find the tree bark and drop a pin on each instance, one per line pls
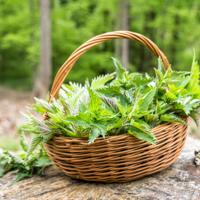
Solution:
(43, 78)
(179, 181)
(122, 46)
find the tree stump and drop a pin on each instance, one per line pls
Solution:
(181, 181)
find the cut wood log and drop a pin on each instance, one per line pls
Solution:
(181, 181)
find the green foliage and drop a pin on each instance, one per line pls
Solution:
(29, 161)
(100, 81)
(194, 79)
(19, 51)
(112, 104)
(118, 103)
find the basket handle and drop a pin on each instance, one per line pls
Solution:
(68, 64)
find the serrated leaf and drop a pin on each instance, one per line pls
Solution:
(22, 175)
(194, 73)
(144, 102)
(140, 124)
(118, 68)
(42, 106)
(34, 143)
(142, 135)
(161, 67)
(95, 100)
(171, 118)
(23, 143)
(100, 81)
(43, 161)
(95, 133)
(194, 78)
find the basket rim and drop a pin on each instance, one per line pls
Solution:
(155, 130)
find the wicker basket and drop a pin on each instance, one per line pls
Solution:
(119, 158)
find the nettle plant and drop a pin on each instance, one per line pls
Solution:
(111, 104)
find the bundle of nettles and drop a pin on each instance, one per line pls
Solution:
(111, 104)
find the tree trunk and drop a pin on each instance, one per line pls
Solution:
(122, 46)
(43, 78)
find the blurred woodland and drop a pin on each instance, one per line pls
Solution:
(36, 37)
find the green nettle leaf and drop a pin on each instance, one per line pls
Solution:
(95, 133)
(23, 144)
(111, 104)
(171, 118)
(95, 100)
(194, 78)
(142, 131)
(42, 106)
(22, 175)
(145, 101)
(115, 126)
(139, 80)
(161, 67)
(162, 107)
(170, 96)
(194, 73)
(142, 135)
(43, 161)
(34, 143)
(100, 81)
(6, 163)
(124, 110)
(187, 104)
(140, 124)
(47, 137)
(120, 71)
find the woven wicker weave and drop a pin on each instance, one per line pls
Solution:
(119, 158)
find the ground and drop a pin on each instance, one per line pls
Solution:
(12, 105)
